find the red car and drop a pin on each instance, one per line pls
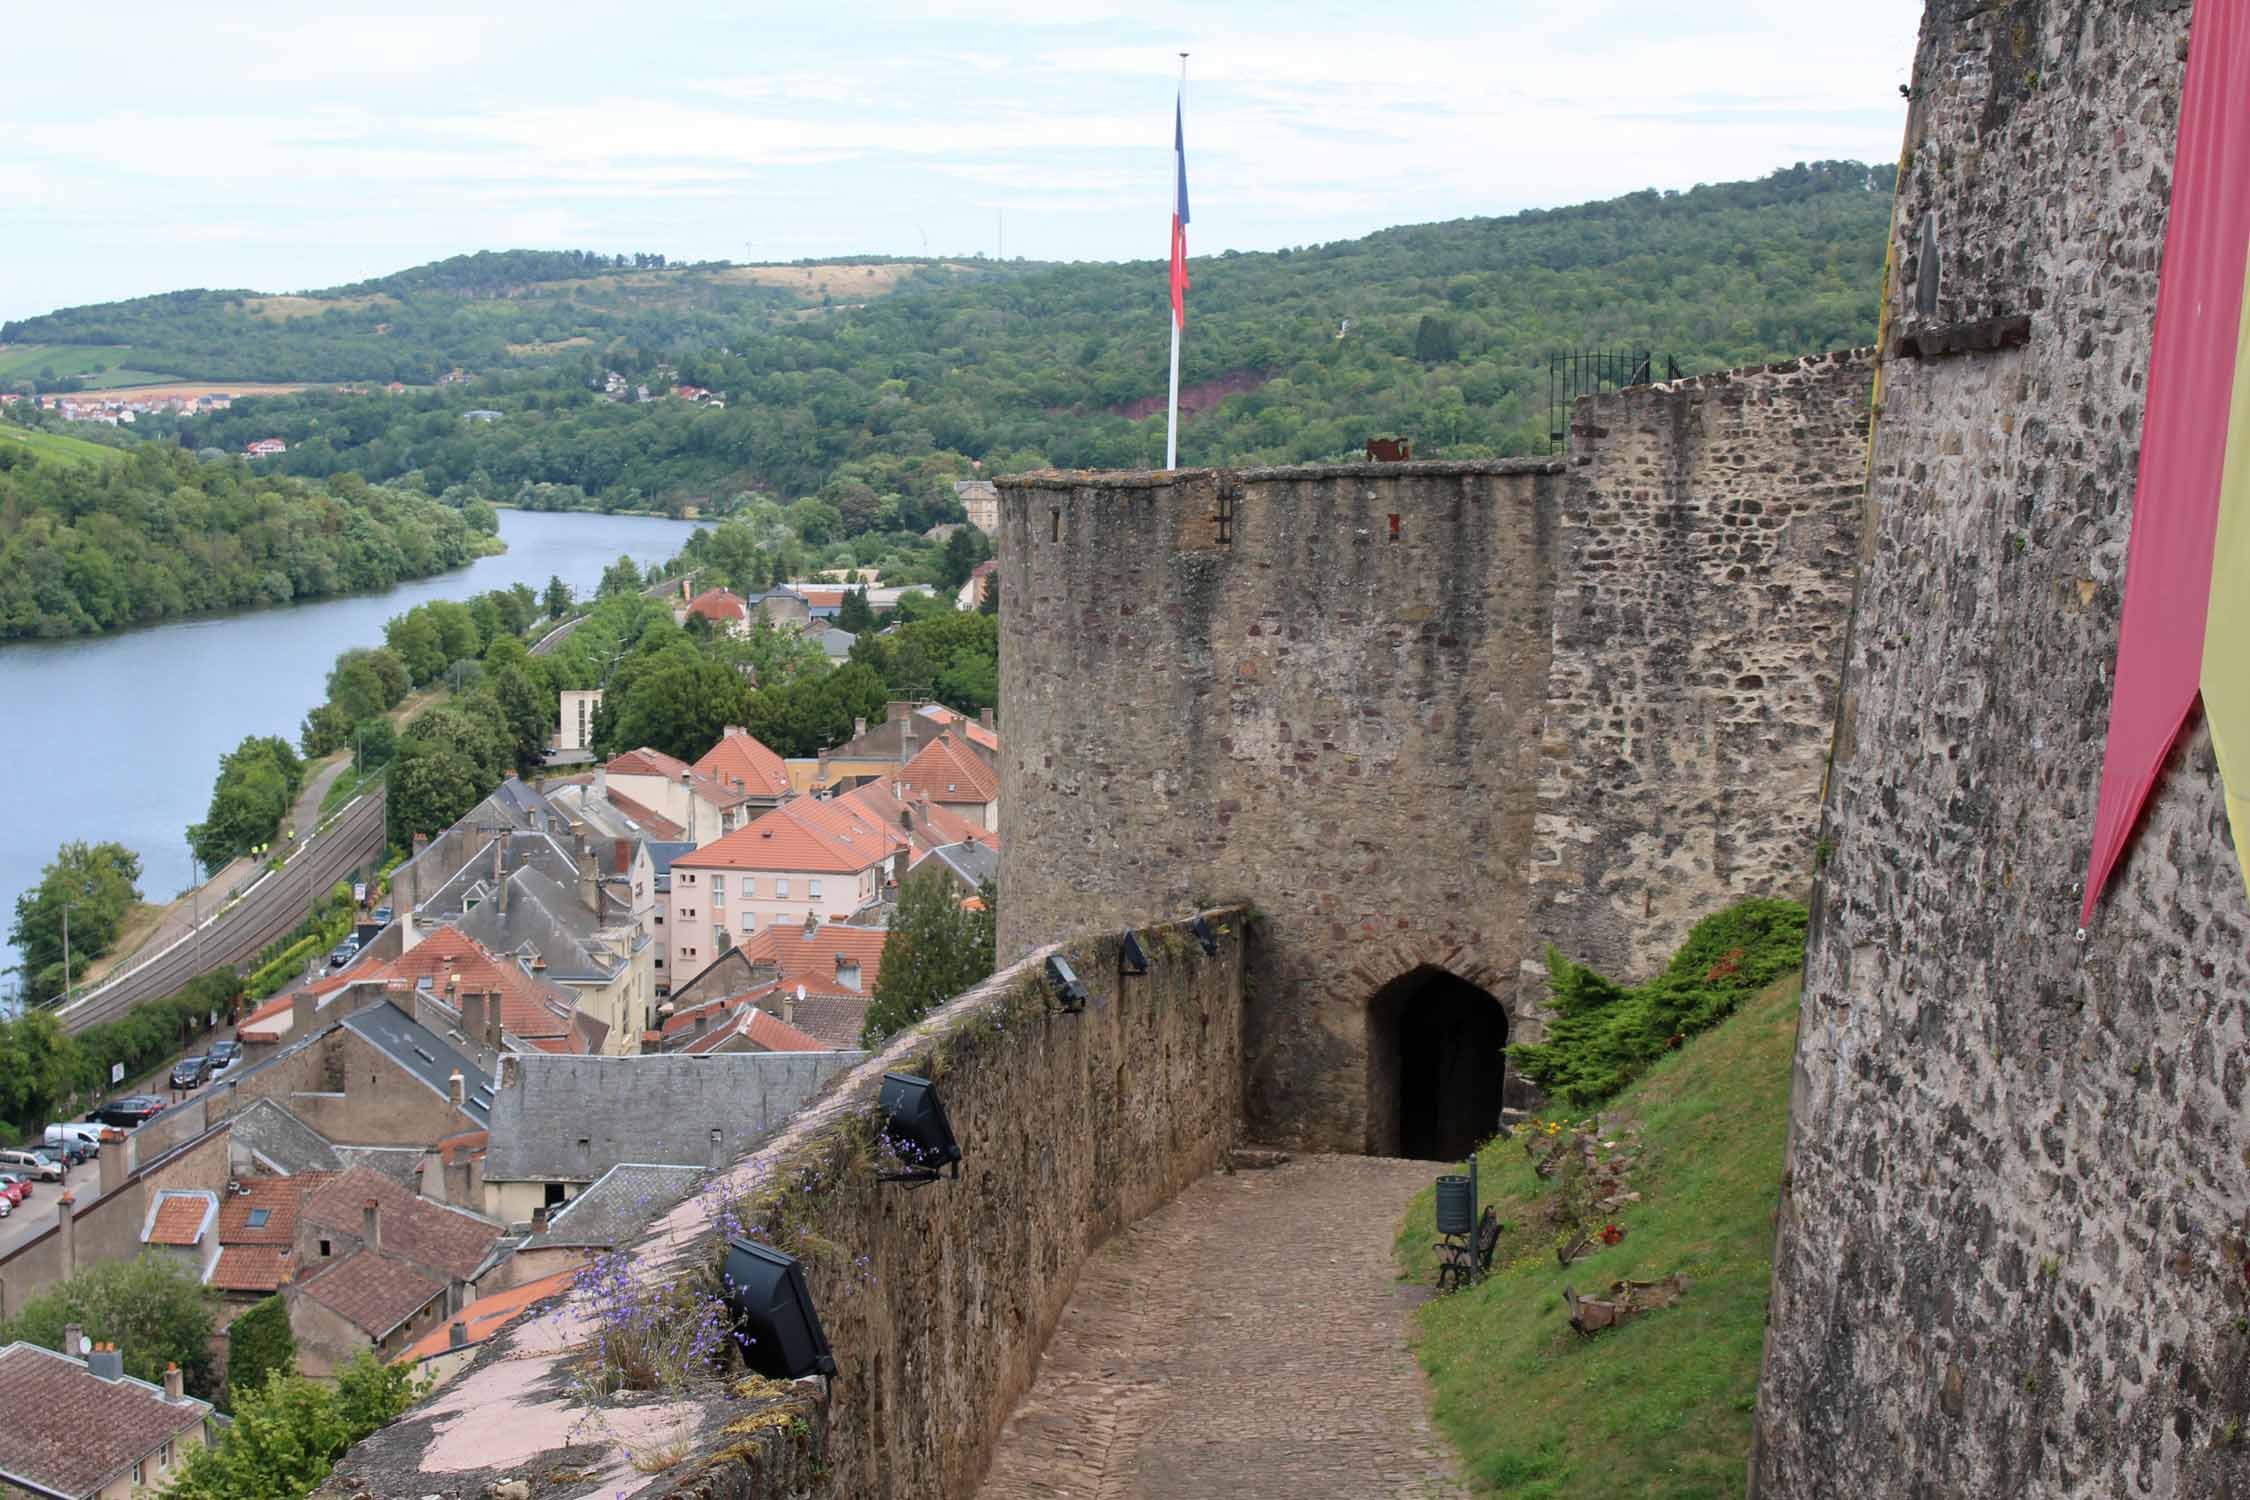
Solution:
(14, 1188)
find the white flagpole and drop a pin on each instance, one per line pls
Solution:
(1172, 412)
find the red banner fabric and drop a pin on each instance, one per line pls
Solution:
(2184, 434)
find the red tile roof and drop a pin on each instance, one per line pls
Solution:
(741, 756)
(443, 1241)
(69, 1431)
(766, 1032)
(974, 729)
(487, 1316)
(823, 598)
(931, 825)
(251, 1268)
(375, 1293)
(532, 1009)
(280, 1197)
(647, 762)
(179, 1219)
(948, 771)
(805, 836)
(813, 961)
(719, 604)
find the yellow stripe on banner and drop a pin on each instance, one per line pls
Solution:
(2226, 632)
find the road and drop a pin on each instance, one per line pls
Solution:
(267, 911)
(36, 1214)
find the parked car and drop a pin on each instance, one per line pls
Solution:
(132, 1110)
(191, 1072)
(343, 953)
(382, 916)
(14, 1187)
(224, 1055)
(69, 1150)
(7, 1206)
(32, 1164)
(87, 1138)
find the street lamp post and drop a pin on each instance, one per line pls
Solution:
(65, 955)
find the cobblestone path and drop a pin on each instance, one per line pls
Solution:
(1245, 1342)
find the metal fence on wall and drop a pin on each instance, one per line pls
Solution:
(1587, 372)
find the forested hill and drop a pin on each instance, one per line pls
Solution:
(94, 538)
(1437, 332)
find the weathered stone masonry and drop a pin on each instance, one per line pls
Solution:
(1400, 707)
(1705, 554)
(2013, 1253)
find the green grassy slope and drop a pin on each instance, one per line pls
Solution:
(57, 446)
(1662, 1405)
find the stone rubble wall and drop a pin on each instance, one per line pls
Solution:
(937, 1300)
(1705, 557)
(2014, 1236)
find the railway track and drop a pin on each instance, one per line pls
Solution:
(238, 933)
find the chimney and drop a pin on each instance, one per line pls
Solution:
(500, 869)
(421, 842)
(300, 1015)
(539, 1219)
(906, 739)
(589, 884)
(371, 1224)
(456, 1296)
(859, 727)
(492, 1022)
(508, 1070)
(457, 1335)
(789, 1005)
(984, 717)
(601, 782)
(812, 923)
(624, 854)
(173, 1390)
(472, 1018)
(74, 1335)
(731, 731)
(718, 1156)
(107, 1362)
(456, 1090)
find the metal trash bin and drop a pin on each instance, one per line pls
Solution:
(1456, 1205)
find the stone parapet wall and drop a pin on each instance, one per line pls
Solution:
(2013, 1255)
(937, 1300)
(1704, 556)
(1317, 689)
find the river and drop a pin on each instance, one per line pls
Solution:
(120, 735)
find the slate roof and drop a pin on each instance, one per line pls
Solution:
(431, 1058)
(69, 1431)
(972, 862)
(762, 1030)
(801, 837)
(443, 1240)
(661, 853)
(375, 1293)
(545, 918)
(281, 1141)
(946, 770)
(835, 1020)
(741, 755)
(615, 1206)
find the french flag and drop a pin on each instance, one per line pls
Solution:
(1179, 219)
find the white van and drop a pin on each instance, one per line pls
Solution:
(86, 1133)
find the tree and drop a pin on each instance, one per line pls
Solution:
(855, 616)
(963, 551)
(1434, 341)
(375, 742)
(990, 603)
(430, 790)
(259, 1345)
(152, 1308)
(38, 1068)
(620, 577)
(98, 882)
(414, 637)
(288, 1433)
(557, 597)
(936, 949)
(257, 781)
(678, 701)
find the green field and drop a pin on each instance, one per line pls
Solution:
(57, 446)
(31, 361)
(1660, 1406)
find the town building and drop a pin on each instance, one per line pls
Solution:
(805, 860)
(381, 1267)
(77, 1427)
(981, 499)
(954, 777)
(726, 611)
(701, 807)
(875, 751)
(575, 732)
(817, 979)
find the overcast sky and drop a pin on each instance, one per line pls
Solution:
(283, 146)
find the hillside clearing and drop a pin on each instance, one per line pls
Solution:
(27, 361)
(60, 447)
(1660, 1406)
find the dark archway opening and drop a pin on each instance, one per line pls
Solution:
(1436, 1058)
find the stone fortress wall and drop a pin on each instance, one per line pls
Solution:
(2014, 1250)
(1398, 706)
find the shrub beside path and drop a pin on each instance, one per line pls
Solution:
(1247, 1341)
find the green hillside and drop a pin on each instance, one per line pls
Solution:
(867, 384)
(60, 447)
(1661, 1405)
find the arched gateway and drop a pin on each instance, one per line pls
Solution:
(1436, 1065)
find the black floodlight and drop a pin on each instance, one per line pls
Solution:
(1132, 958)
(1201, 927)
(1070, 994)
(773, 1311)
(914, 1123)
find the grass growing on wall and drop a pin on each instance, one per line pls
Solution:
(1662, 1405)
